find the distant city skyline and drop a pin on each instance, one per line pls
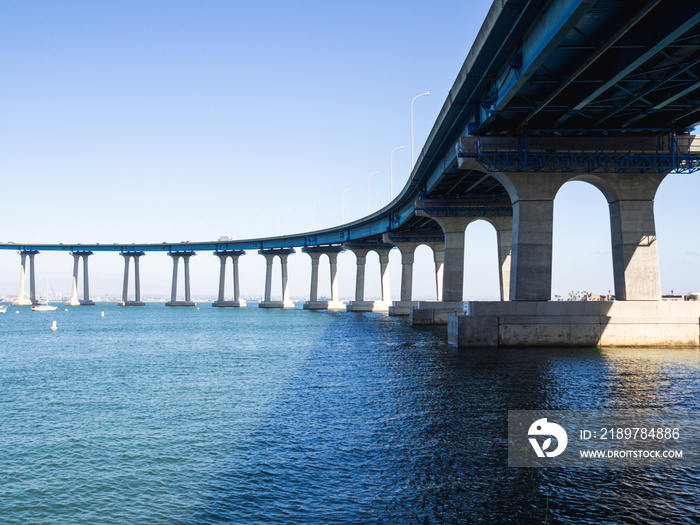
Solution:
(133, 122)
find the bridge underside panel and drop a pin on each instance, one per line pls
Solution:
(624, 65)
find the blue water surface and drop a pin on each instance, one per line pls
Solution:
(194, 416)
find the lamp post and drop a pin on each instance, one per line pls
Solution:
(344, 191)
(369, 178)
(391, 175)
(412, 101)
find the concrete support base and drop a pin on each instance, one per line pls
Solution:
(368, 306)
(131, 303)
(23, 302)
(72, 302)
(83, 302)
(435, 312)
(229, 304)
(578, 324)
(276, 304)
(180, 303)
(324, 305)
(398, 308)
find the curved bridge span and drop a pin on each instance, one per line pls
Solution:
(551, 91)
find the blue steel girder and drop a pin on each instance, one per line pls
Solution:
(583, 154)
(591, 67)
(554, 24)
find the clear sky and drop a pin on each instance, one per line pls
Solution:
(157, 121)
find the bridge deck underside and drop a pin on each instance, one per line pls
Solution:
(623, 65)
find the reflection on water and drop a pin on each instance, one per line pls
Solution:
(162, 416)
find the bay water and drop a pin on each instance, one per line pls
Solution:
(155, 415)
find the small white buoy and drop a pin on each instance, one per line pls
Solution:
(103, 314)
(54, 327)
(16, 311)
(66, 309)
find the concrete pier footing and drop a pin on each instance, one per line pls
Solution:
(368, 306)
(276, 304)
(401, 308)
(576, 323)
(324, 305)
(434, 312)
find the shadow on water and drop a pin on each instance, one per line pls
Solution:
(385, 423)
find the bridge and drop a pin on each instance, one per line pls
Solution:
(601, 91)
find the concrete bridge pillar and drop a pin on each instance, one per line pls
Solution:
(137, 280)
(439, 260)
(313, 293)
(173, 293)
(223, 258)
(74, 301)
(504, 238)
(633, 234)
(283, 254)
(453, 265)
(630, 199)
(406, 302)
(359, 304)
(21, 301)
(315, 252)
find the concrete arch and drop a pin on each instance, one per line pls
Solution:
(581, 248)
(482, 279)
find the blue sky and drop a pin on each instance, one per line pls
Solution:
(181, 120)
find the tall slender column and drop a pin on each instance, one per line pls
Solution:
(86, 281)
(269, 260)
(285, 280)
(269, 255)
(137, 278)
(74, 287)
(188, 297)
(222, 275)
(32, 278)
(439, 260)
(313, 293)
(21, 301)
(236, 282)
(315, 252)
(125, 288)
(504, 237)
(22, 269)
(333, 261)
(360, 275)
(173, 290)
(384, 270)
(453, 266)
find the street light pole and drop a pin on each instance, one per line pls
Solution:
(369, 178)
(413, 161)
(391, 175)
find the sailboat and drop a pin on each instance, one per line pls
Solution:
(45, 306)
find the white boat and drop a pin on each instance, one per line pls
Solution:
(45, 306)
(3, 307)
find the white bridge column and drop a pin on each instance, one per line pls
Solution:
(74, 301)
(315, 252)
(21, 301)
(361, 251)
(404, 305)
(439, 260)
(173, 294)
(137, 280)
(270, 255)
(223, 258)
